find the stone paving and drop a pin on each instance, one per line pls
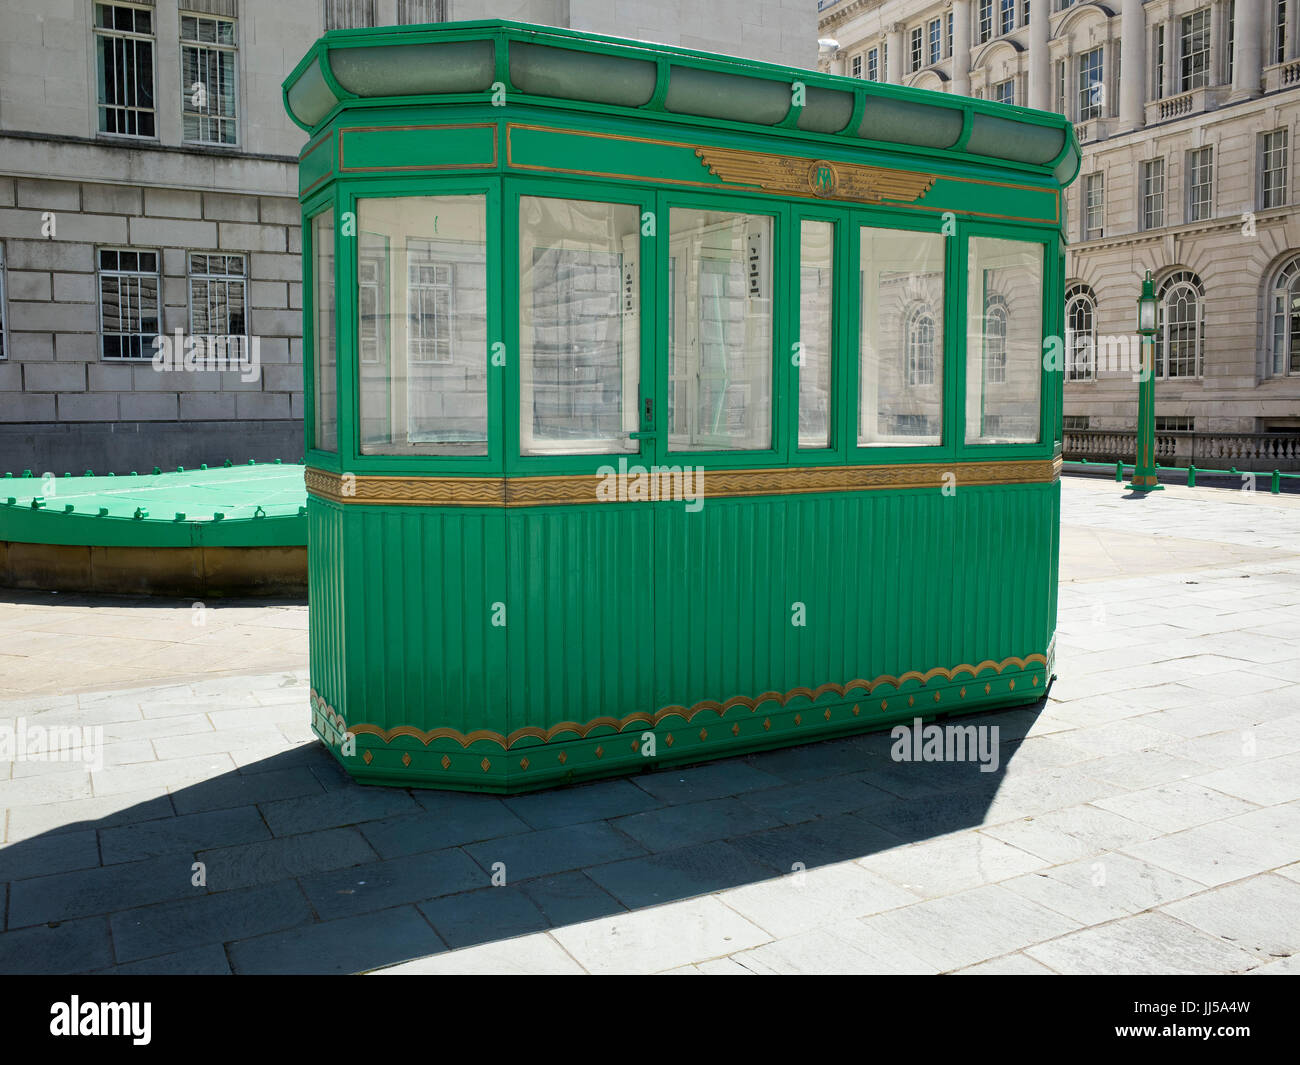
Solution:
(1145, 818)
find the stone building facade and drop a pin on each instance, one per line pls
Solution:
(148, 184)
(1187, 112)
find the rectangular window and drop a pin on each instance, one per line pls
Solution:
(1195, 50)
(579, 326)
(917, 44)
(1200, 184)
(1273, 169)
(985, 28)
(1092, 85)
(1166, 423)
(1279, 33)
(1074, 421)
(816, 331)
(1060, 87)
(856, 66)
(422, 324)
(124, 70)
(1153, 194)
(1004, 341)
(4, 309)
(1006, 16)
(948, 36)
(1232, 39)
(349, 14)
(873, 64)
(1158, 64)
(325, 436)
(219, 299)
(1094, 206)
(1024, 13)
(1004, 92)
(208, 74)
(936, 41)
(719, 330)
(128, 302)
(900, 399)
(418, 12)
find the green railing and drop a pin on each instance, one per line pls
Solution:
(1275, 478)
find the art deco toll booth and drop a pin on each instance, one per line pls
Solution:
(544, 271)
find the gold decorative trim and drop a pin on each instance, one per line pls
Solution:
(797, 176)
(575, 489)
(687, 714)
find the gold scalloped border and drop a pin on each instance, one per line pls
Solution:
(644, 718)
(382, 490)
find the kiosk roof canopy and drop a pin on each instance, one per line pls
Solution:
(467, 62)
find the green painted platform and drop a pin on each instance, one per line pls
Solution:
(227, 506)
(228, 530)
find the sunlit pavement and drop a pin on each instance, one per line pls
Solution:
(1145, 818)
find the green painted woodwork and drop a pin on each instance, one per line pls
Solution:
(504, 648)
(231, 506)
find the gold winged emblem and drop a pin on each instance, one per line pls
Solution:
(816, 177)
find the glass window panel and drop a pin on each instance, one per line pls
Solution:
(815, 332)
(422, 325)
(719, 331)
(901, 338)
(323, 347)
(1004, 344)
(579, 326)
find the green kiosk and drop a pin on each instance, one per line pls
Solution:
(663, 406)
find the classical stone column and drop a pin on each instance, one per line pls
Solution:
(895, 53)
(1247, 65)
(1040, 59)
(1132, 91)
(961, 47)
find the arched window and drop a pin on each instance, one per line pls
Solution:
(1284, 321)
(995, 340)
(921, 333)
(1179, 340)
(1080, 333)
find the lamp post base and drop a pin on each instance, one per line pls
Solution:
(1145, 482)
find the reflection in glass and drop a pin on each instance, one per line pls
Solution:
(579, 326)
(324, 356)
(719, 331)
(1004, 343)
(422, 324)
(900, 378)
(815, 333)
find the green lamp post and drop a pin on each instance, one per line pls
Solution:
(1144, 464)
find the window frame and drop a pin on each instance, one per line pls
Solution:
(185, 43)
(1282, 189)
(1194, 66)
(1080, 294)
(100, 274)
(99, 33)
(1192, 185)
(1145, 195)
(4, 304)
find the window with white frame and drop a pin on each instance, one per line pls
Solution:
(1004, 92)
(947, 50)
(1092, 85)
(1180, 337)
(1232, 41)
(4, 310)
(219, 298)
(1080, 333)
(1175, 423)
(1194, 50)
(349, 14)
(208, 78)
(1284, 342)
(921, 336)
(934, 34)
(1060, 87)
(128, 302)
(1273, 169)
(855, 66)
(918, 41)
(1094, 206)
(1200, 184)
(873, 64)
(1279, 33)
(985, 27)
(1006, 16)
(124, 75)
(995, 340)
(1024, 13)
(1153, 194)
